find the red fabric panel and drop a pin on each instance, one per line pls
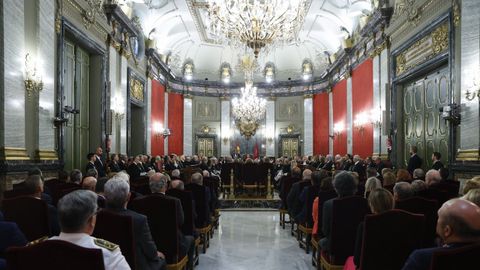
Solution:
(320, 124)
(157, 117)
(175, 123)
(340, 116)
(362, 102)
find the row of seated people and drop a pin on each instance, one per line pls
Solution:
(185, 208)
(309, 193)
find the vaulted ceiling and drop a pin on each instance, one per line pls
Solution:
(178, 27)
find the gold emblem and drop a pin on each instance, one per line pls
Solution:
(105, 244)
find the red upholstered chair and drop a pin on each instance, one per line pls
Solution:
(30, 214)
(54, 255)
(389, 238)
(457, 258)
(323, 196)
(117, 229)
(426, 207)
(162, 220)
(347, 213)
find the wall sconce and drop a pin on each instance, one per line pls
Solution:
(307, 70)
(376, 118)
(338, 128)
(226, 136)
(360, 120)
(33, 78)
(270, 139)
(118, 108)
(160, 131)
(470, 95)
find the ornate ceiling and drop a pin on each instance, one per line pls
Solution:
(178, 27)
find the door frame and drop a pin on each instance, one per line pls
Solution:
(131, 74)
(68, 29)
(445, 59)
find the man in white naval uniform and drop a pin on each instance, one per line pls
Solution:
(77, 213)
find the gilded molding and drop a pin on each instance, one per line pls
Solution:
(46, 155)
(136, 89)
(13, 153)
(307, 96)
(456, 13)
(424, 49)
(468, 155)
(89, 16)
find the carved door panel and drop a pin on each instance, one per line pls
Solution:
(289, 147)
(423, 125)
(206, 147)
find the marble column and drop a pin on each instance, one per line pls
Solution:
(148, 113)
(376, 103)
(115, 137)
(330, 122)
(12, 89)
(470, 80)
(384, 101)
(270, 129)
(165, 123)
(187, 126)
(308, 126)
(46, 52)
(124, 102)
(225, 129)
(349, 124)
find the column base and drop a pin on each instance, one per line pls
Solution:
(468, 155)
(13, 153)
(46, 155)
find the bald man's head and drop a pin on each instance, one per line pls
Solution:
(89, 183)
(459, 222)
(177, 184)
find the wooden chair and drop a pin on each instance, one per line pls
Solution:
(117, 229)
(426, 207)
(315, 252)
(389, 238)
(465, 257)
(347, 213)
(306, 226)
(162, 220)
(204, 235)
(30, 214)
(54, 255)
(283, 213)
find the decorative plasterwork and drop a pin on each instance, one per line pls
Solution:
(95, 7)
(424, 49)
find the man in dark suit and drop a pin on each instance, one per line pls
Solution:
(458, 225)
(117, 196)
(135, 169)
(358, 167)
(91, 162)
(345, 185)
(202, 197)
(415, 161)
(437, 164)
(158, 186)
(329, 164)
(34, 186)
(293, 199)
(99, 163)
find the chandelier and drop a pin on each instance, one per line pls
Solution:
(256, 23)
(249, 109)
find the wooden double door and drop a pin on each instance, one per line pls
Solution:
(423, 125)
(206, 146)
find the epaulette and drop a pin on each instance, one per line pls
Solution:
(105, 244)
(39, 240)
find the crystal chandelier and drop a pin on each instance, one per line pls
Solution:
(249, 109)
(256, 23)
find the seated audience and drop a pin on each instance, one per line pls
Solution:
(473, 195)
(418, 186)
(432, 178)
(386, 170)
(92, 172)
(402, 191)
(34, 186)
(89, 183)
(10, 236)
(325, 185)
(418, 174)
(458, 225)
(76, 176)
(200, 192)
(114, 165)
(358, 167)
(371, 184)
(389, 180)
(136, 169)
(77, 214)
(371, 172)
(308, 195)
(380, 201)
(91, 161)
(176, 174)
(117, 196)
(158, 186)
(345, 185)
(404, 176)
(293, 199)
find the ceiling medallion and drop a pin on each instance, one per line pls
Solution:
(256, 24)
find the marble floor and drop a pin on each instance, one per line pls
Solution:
(251, 240)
